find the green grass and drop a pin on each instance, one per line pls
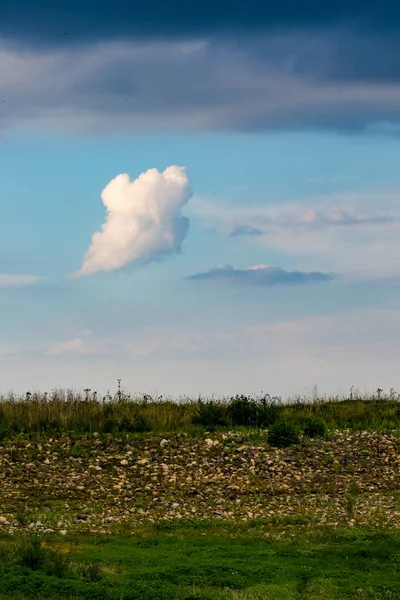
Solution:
(194, 561)
(49, 442)
(63, 412)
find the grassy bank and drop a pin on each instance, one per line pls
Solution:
(65, 411)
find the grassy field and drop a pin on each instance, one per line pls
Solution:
(246, 498)
(203, 563)
(67, 411)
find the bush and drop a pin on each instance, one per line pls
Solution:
(90, 571)
(57, 564)
(126, 424)
(253, 412)
(210, 414)
(282, 435)
(242, 410)
(109, 425)
(31, 554)
(83, 427)
(3, 425)
(141, 425)
(313, 428)
(268, 411)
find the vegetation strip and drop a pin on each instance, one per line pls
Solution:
(107, 500)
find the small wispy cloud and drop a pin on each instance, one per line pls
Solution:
(261, 275)
(323, 212)
(246, 230)
(84, 346)
(7, 280)
(144, 220)
(69, 346)
(163, 344)
(339, 232)
(334, 216)
(9, 349)
(133, 346)
(83, 332)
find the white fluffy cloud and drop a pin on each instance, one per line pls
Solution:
(144, 220)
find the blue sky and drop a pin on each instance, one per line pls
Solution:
(257, 251)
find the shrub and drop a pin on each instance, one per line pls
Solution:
(313, 428)
(282, 435)
(141, 425)
(253, 412)
(109, 425)
(90, 571)
(242, 410)
(57, 564)
(20, 517)
(4, 429)
(83, 427)
(210, 414)
(126, 424)
(31, 554)
(268, 411)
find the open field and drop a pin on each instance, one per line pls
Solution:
(244, 499)
(204, 561)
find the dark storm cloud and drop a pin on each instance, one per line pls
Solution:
(247, 68)
(51, 21)
(262, 275)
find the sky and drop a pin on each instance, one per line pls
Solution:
(199, 198)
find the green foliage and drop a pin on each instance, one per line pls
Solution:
(187, 564)
(210, 414)
(57, 564)
(90, 571)
(269, 410)
(127, 425)
(141, 425)
(282, 434)
(67, 412)
(254, 412)
(31, 554)
(110, 425)
(313, 428)
(4, 429)
(21, 518)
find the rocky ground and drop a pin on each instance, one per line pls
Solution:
(98, 485)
